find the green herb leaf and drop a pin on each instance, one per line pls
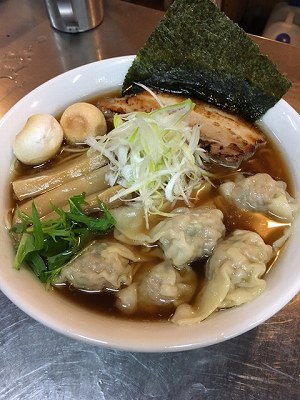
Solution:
(94, 224)
(37, 230)
(38, 265)
(26, 246)
(46, 246)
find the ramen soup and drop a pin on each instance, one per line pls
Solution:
(137, 220)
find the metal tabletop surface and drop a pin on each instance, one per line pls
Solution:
(38, 363)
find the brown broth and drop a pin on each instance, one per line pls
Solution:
(268, 159)
(104, 303)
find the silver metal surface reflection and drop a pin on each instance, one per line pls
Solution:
(88, 50)
(75, 15)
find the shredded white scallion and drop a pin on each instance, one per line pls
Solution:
(155, 155)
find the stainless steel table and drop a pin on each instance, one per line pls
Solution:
(38, 363)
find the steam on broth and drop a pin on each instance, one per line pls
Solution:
(143, 279)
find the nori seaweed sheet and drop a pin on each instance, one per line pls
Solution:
(198, 51)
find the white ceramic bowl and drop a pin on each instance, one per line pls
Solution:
(28, 294)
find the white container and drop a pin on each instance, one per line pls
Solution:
(284, 23)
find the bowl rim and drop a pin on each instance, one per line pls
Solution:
(119, 335)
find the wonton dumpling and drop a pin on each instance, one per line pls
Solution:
(100, 266)
(233, 275)
(189, 235)
(261, 193)
(130, 224)
(159, 286)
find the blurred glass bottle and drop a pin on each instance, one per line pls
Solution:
(283, 24)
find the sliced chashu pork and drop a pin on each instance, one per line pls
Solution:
(227, 138)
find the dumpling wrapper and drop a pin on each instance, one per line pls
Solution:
(101, 265)
(191, 234)
(233, 275)
(261, 193)
(157, 287)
